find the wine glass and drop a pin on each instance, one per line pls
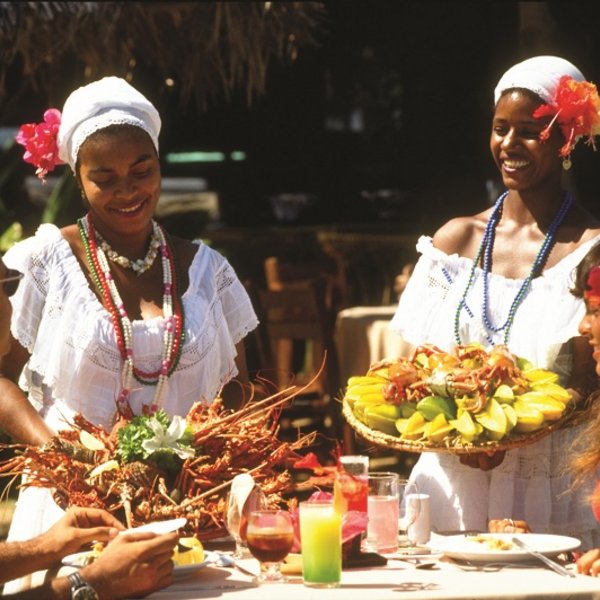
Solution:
(270, 537)
(409, 510)
(236, 518)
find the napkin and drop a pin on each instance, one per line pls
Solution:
(241, 488)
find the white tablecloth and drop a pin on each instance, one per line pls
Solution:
(397, 581)
(363, 336)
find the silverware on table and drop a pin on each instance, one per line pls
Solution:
(548, 562)
(225, 560)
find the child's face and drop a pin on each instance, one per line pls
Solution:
(590, 327)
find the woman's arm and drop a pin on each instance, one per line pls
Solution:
(18, 418)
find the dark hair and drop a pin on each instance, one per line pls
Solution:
(582, 271)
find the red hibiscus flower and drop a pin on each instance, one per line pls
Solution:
(576, 109)
(39, 139)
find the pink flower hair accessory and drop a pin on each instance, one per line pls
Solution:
(592, 296)
(576, 109)
(40, 141)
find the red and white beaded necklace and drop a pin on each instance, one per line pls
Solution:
(172, 315)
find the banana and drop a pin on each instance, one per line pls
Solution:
(358, 392)
(365, 402)
(366, 380)
(431, 406)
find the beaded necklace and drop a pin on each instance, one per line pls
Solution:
(485, 252)
(173, 334)
(140, 265)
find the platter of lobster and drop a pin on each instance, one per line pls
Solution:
(465, 401)
(157, 468)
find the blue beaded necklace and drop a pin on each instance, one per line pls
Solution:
(485, 252)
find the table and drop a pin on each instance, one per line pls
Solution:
(398, 580)
(363, 336)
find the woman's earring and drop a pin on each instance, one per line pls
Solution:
(567, 164)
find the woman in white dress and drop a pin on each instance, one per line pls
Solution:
(112, 312)
(503, 276)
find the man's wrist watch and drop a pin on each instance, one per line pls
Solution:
(81, 589)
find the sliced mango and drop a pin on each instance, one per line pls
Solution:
(415, 425)
(435, 431)
(554, 390)
(551, 408)
(493, 418)
(466, 426)
(511, 416)
(529, 418)
(431, 406)
(540, 376)
(504, 393)
(407, 409)
(382, 417)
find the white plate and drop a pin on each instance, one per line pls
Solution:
(79, 560)
(158, 527)
(465, 548)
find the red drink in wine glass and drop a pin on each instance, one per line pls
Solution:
(270, 536)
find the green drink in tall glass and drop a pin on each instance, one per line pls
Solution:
(321, 541)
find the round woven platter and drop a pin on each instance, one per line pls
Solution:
(451, 446)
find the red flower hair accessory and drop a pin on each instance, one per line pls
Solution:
(39, 139)
(576, 108)
(592, 296)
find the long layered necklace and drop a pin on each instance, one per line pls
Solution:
(485, 253)
(173, 331)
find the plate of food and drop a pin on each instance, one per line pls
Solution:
(499, 547)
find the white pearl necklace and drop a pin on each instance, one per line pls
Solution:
(127, 372)
(139, 265)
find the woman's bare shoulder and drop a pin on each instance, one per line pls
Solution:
(457, 235)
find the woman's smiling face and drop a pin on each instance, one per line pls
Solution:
(119, 172)
(523, 159)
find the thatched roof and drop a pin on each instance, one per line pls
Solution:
(203, 50)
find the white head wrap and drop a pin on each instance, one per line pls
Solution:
(108, 101)
(539, 75)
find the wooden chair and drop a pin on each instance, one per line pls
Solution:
(281, 274)
(300, 335)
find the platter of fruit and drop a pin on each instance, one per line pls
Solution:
(468, 400)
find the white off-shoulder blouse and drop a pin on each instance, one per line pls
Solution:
(531, 482)
(75, 363)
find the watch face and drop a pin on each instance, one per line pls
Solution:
(86, 592)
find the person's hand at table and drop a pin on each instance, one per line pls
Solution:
(79, 526)
(508, 526)
(486, 461)
(589, 563)
(132, 565)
